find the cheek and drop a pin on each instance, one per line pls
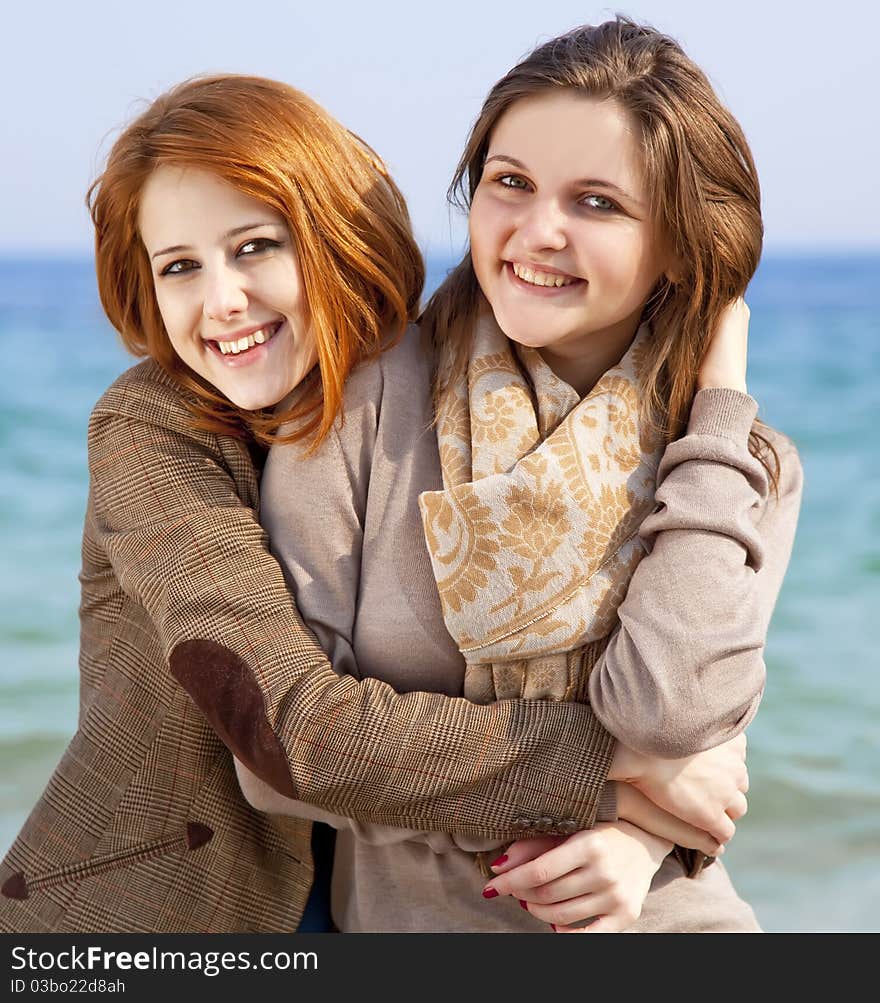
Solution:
(483, 229)
(288, 293)
(169, 311)
(628, 262)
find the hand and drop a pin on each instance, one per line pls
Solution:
(604, 872)
(633, 806)
(724, 364)
(706, 790)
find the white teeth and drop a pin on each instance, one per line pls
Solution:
(248, 341)
(539, 278)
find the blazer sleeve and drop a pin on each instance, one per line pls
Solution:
(685, 671)
(186, 544)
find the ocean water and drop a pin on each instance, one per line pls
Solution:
(807, 855)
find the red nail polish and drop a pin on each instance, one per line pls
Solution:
(524, 905)
(489, 893)
(553, 927)
(501, 860)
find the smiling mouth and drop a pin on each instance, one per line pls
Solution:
(239, 346)
(538, 277)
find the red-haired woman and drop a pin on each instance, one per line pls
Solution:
(603, 518)
(247, 245)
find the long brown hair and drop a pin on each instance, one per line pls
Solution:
(362, 270)
(702, 186)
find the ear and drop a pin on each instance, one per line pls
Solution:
(674, 272)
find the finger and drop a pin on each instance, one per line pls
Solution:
(667, 826)
(550, 865)
(720, 827)
(602, 924)
(579, 882)
(685, 834)
(576, 911)
(724, 828)
(633, 806)
(737, 807)
(702, 841)
(523, 850)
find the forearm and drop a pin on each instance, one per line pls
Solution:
(267, 800)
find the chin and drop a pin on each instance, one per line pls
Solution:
(251, 402)
(527, 338)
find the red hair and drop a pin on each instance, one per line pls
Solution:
(362, 270)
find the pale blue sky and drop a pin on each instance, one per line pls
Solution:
(410, 77)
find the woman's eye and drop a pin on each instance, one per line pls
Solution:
(256, 245)
(179, 267)
(599, 202)
(512, 181)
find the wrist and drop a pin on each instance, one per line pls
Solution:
(627, 766)
(719, 383)
(659, 847)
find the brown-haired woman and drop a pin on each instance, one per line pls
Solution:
(604, 518)
(241, 236)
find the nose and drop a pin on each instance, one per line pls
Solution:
(544, 226)
(225, 294)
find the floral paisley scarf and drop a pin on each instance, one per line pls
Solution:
(534, 537)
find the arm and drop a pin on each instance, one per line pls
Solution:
(367, 475)
(684, 671)
(177, 521)
(319, 547)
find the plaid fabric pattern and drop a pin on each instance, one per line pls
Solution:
(142, 827)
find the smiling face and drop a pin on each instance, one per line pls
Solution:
(228, 285)
(562, 241)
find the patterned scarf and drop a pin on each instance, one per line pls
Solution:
(533, 539)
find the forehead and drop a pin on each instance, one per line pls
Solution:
(182, 204)
(568, 136)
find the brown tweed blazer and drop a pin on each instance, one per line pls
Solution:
(191, 647)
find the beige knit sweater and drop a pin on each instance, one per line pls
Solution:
(683, 672)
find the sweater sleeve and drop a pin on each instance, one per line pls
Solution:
(184, 541)
(684, 671)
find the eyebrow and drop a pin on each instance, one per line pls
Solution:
(226, 236)
(581, 183)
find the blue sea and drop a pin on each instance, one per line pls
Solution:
(807, 855)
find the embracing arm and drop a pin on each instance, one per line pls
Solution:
(318, 508)
(175, 511)
(685, 671)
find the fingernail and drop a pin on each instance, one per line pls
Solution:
(720, 851)
(524, 905)
(489, 893)
(501, 860)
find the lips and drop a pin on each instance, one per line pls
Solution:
(244, 341)
(535, 275)
(541, 281)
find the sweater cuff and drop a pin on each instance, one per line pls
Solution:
(722, 411)
(607, 810)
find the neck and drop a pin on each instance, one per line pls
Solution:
(582, 365)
